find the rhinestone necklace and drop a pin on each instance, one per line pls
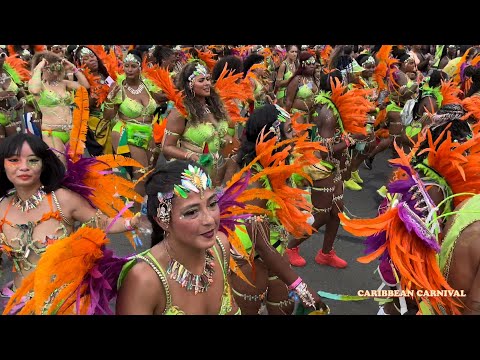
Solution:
(197, 283)
(31, 203)
(136, 91)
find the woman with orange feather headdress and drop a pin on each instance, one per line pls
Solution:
(275, 210)
(340, 119)
(412, 236)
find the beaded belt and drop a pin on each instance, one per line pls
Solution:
(248, 297)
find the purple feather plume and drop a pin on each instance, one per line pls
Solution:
(228, 200)
(102, 283)
(373, 242)
(413, 222)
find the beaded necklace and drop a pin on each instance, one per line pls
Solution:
(31, 203)
(197, 283)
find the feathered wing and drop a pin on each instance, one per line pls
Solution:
(98, 90)
(208, 58)
(232, 91)
(414, 260)
(450, 92)
(109, 60)
(76, 275)
(78, 134)
(228, 202)
(20, 71)
(383, 70)
(472, 105)
(161, 77)
(459, 171)
(351, 107)
(284, 202)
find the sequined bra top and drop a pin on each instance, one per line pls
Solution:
(132, 108)
(50, 98)
(19, 248)
(170, 309)
(206, 133)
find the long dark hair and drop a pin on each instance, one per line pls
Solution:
(262, 117)
(195, 109)
(53, 170)
(234, 64)
(78, 60)
(166, 174)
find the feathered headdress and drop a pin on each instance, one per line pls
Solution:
(17, 69)
(405, 236)
(231, 91)
(350, 108)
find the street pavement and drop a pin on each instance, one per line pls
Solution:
(346, 281)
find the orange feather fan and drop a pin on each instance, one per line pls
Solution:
(20, 66)
(459, 171)
(159, 130)
(352, 106)
(207, 58)
(289, 202)
(78, 134)
(450, 93)
(69, 260)
(98, 90)
(231, 91)
(109, 60)
(414, 260)
(325, 54)
(161, 77)
(472, 105)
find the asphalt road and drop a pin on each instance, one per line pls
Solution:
(339, 281)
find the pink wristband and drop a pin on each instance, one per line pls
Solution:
(293, 285)
(128, 225)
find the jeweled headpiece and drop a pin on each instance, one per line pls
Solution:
(369, 61)
(193, 179)
(199, 70)
(132, 58)
(85, 51)
(164, 209)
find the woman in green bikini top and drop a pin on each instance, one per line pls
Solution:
(202, 134)
(55, 97)
(285, 72)
(185, 271)
(132, 100)
(301, 89)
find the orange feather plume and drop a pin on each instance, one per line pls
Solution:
(325, 54)
(381, 117)
(161, 77)
(352, 106)
(159, 130)
(59, 274)
(414, 260)
(460, 171)
(78, 134)
(232, 91)
(207, 58)
(20, 66)
(291, 208)
(98, 90)
(450, 93)
(472, 105)
(11, 50)
(109, 60)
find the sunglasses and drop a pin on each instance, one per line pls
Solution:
(55, 67)
(3, 55)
